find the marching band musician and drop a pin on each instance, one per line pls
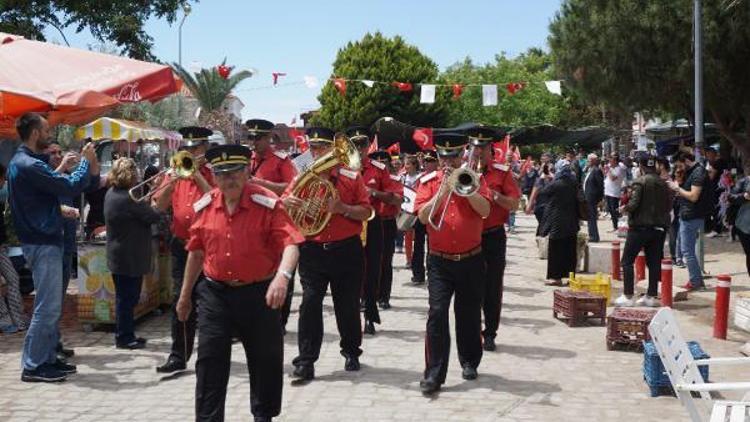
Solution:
(455, 264)
(429, 162)
(381, 189)
(274, 171)
(504, 196)
(245, 244)
(388, 212)
(335, 256)
(180, 195)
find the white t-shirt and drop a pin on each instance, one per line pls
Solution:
(614, 187)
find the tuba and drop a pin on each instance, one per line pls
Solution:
(315, 191)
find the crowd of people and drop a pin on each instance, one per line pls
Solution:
(244, 224)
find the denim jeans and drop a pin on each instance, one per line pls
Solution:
(127, 294)
(689, 230)
(41, 339)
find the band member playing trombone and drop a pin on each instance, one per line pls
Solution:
(180, 194)
(329, 202)
(504, 195)
(453, 203)
(381, 189)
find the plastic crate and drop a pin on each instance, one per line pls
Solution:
(653, 370)
(578, 307)
(598, 284)
(628, 327)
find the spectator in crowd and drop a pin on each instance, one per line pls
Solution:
(613, 188)
(129, 248)
(529, 178)
(34, 189)
(540, 196)
(741, 197)
(695, 205)
(648, 220)
(593, 191)
(561, 225)
(12, 316)
(409, 179)
(715, 167)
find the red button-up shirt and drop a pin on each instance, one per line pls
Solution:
(247, 245)
(462, 226)
(186, 192)
(499, 179)
(273, 166)
(387, 211)
(376, 176)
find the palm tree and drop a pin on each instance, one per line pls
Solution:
(211, 87)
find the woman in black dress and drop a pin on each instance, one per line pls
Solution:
(561, 225)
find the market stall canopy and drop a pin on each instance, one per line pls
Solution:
(72, 86)
(107, 128)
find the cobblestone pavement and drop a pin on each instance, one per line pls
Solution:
(542, 369)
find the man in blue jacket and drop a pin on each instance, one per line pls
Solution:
(34, 190)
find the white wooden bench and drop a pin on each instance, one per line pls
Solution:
(685, 378)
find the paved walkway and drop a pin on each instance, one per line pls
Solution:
(542, 369)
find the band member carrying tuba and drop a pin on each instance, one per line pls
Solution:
(453, 202)
(329, 202)
(504, 196)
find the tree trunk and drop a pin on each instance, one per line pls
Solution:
(738, 141)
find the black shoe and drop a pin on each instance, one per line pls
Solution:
(429, 386)
(173, 365)
(67, 353)
(352, 364)
(369, 328)
(44, 373)
(263, 419)
(469, 373)
(417, 280)
(141, 340)
(133, 345)
(362, 306)
(384, 304)
(283, 331)
(489, 344)
(305, 373)
(64, 367)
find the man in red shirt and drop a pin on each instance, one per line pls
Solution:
(335, 256)
(245, 245)
(269, 168)
(388, 212)
(429, 162)
(180, 195)
(274, 171)
(381, 190)
(504, 196)
(455, 265)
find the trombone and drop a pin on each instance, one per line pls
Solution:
(462, 181)
(182, 165)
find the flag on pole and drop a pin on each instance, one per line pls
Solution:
(427, 94)
(489, 95)
(373, 145)
(423, 138)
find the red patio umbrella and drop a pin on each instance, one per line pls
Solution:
(72, 86)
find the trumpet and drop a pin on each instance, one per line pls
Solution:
(462, 181)
(182, 165)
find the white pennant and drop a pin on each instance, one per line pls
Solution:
(311, 81)
(369, 84)
(553, 87)
(489, 95)
(427, 94)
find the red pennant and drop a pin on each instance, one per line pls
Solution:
(340, 85)
(373, 145)
(224, 71)
(276, 76)
(458, 89)
(423, 138)
(394, 149)
(501, 148)
(514, 87)
(403, 86)
(300, 140)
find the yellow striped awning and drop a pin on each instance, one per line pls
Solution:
(107, 128)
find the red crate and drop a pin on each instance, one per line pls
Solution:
(628, 327)
(579, 306)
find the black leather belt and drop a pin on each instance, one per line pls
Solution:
(336, 244)
(457, 256)
(493, 229)
(236, 283)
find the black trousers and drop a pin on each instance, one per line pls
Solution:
(613, 208)
(593, 227)
(127, 294)
(373, 268)
(286, 309)
(386, 269)
(237, 311)
(417, 257)
(745, 240)
(539, 214)
(651, 240)
(341, 265)
(183, 334)
(465, 279)
(493, 252)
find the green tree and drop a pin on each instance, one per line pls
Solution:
(636, 55)
(379, 58)
(118, 21)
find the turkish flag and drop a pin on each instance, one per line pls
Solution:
(394, 149)
(502, 148)
(423, 138)
(514, 87)
(300, 140)
(373, 145)
(403, 86)
(458, 89)
(340, 85)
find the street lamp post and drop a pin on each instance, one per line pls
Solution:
(186, 11)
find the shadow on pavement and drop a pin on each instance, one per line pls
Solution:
(536, 352)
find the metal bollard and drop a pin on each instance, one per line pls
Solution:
(721, 306)
(640, 266)
(666, 282)
(616, 260)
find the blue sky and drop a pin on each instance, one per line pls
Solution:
(301, 38)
